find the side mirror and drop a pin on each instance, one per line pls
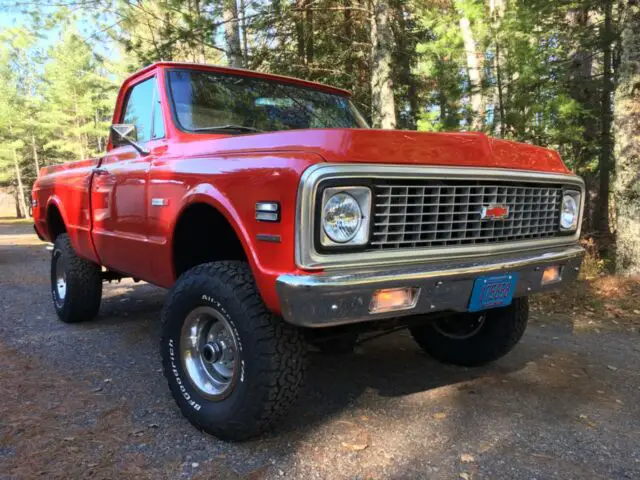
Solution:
(126, 134)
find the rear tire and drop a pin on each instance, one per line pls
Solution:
(472, 339)
(76, 284)
(232, 367)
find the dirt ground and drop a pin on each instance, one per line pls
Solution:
(90, 400)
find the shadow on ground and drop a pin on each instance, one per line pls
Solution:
(90, 400)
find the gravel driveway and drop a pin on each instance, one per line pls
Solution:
(90, 401)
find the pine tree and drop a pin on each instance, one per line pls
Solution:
(79, 97)
(13, 112)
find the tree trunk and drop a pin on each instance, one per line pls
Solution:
(500, 91)
(582, 91)
(36, 161)
(348, 35)
(626, 125)
(404, 53)
(299, 21)
(201, 57)
(243, 24)
(98, 137)
(606, 146)
(442, 103)
(232, 33)
(383, 110)
(22, 204)
(81, 151)
(475, 76)
(308, 33)
(497, 10)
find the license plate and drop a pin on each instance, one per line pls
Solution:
(492, 292)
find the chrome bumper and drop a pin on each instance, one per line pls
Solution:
(342, 297)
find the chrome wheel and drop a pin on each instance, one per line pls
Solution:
(60, 279)
(460, 327)
(209, 352)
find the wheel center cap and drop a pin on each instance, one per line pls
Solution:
(212, 352)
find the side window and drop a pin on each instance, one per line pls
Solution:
(143, 110)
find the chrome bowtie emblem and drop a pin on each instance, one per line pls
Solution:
(494, 212)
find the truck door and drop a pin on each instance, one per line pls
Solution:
(120, 184)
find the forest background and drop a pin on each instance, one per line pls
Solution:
(561, 74)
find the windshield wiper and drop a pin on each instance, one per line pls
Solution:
(238, 128)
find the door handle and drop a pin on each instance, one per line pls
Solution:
(100, 171)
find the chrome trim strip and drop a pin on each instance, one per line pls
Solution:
(308, 258)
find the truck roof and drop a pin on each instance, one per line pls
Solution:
(240, 71)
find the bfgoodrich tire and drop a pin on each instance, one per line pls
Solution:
(232, 367)
(76, 284)
(472, 339)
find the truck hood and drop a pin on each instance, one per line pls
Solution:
(400, 147)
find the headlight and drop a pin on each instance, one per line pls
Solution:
(345, 216)
(570, 211)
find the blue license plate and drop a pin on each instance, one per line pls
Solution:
(492, 292)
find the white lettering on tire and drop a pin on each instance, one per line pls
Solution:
(192, 403)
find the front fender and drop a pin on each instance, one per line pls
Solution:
(233, 184)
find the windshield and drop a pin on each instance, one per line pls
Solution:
(209, 101)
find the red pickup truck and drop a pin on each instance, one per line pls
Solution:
(278, 219)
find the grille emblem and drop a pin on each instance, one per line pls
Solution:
(494, 212)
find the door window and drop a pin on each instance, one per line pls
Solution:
(143, 110)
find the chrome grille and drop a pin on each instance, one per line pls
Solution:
(429, 213)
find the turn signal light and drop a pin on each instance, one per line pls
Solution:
(392, 299)
(551, 275)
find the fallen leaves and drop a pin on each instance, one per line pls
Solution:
(352, 437)
(582, 418)
(604, 302)
(355, 447)
(358, 442)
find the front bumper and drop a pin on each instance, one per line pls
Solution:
(343, 297)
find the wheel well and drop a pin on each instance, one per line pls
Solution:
(55, 223)
(204, 235)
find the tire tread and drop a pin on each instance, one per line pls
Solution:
(84, 284)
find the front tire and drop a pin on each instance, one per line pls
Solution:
(76, 284)
(472, 339)
(232, 367)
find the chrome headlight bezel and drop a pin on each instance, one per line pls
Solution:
(573, 198)
(362, 196)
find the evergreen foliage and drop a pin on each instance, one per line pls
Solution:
(537, 71)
